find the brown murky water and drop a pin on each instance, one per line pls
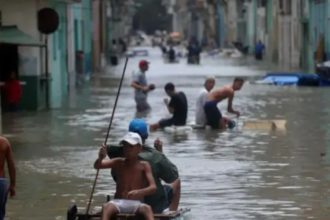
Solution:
(237, 174)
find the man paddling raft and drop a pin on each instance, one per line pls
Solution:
(214, 117)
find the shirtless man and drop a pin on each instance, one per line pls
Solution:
(6, 155)
(213, 115)
(165, 173)
(134, 179)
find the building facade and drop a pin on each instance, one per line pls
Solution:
(75, 50)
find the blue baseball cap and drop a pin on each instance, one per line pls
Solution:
(139, 126)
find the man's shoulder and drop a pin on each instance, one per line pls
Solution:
(202, 93)
(224, 90)
(228, 88)
(138, 74)
(147, 150)
(179, 94)
(4, 142)
(151, 155)
(4, 145)
(183, 95)
(148, 153)
(144, 163)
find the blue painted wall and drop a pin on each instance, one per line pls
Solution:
(58, 58)
(87, 22)
(318, 21)
(327, 23)
(251, 26)
(83, 27)
(77, 16)
(221, 28)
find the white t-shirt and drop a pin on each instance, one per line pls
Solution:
(200, 117)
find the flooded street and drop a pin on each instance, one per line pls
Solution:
(233, 175)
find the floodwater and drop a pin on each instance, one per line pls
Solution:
(233, 175)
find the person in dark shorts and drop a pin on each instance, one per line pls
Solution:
(213, 115)
(167, 195)
(177, 106)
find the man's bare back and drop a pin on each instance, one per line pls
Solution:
(6, 156)
(220, 94)
(4, 149)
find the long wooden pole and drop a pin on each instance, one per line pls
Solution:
(107, 136)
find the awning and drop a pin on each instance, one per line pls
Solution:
(13, 35)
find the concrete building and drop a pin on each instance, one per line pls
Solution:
(289, 33)
(221, 29)
(319, 35)
(28, 61)
(210, 23)
(70, 48)
(231, 21)
(117, 27)
(251, 26)
(277, 23)
(180, 15)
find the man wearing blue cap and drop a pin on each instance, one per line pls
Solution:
(167, 196)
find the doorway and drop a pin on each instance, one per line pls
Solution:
(8, 64)
(8, 60)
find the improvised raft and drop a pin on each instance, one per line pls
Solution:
(265, 125)
(181, 214)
